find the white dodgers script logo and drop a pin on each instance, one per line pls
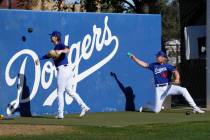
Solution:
(84, 50)
(160, 70)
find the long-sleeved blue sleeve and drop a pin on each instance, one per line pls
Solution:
(44, 57)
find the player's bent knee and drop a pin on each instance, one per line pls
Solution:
(183, 90)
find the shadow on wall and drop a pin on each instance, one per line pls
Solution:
(128, 93)
(24, 108)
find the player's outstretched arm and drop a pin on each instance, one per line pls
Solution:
(37, 62)
(138, 61)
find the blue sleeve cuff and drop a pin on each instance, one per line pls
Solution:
(44, 57)
(150, 67)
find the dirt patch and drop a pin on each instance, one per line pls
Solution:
(12, 130)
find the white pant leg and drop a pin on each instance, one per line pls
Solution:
(159, 99)
(163, 92)
(78, 100)
(160, 96)
(61, 85)
(72, 92)
(178, 90)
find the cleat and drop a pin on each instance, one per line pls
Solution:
(198, 110)
(84, 111)
(141, 109)
(59, 117)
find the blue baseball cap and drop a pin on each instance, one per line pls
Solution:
(55, 33)
(161, 53)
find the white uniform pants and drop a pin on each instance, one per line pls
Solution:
(163, 92)
(64, 83)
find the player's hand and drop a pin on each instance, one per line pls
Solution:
(37, 62)
(59, 51)
(177, 81)
(130, 55)
(133, 56)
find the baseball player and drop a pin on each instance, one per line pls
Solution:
(64, 75)
(163, 72)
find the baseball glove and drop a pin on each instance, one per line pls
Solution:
(53, 54)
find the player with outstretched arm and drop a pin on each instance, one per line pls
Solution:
(163, 72)
(64, 76)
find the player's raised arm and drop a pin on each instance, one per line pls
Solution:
(138, 61)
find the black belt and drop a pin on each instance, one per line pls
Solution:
(161, 85)
(63, 65)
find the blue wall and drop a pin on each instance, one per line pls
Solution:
(139, 34)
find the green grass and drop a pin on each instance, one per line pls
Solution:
(168, 125)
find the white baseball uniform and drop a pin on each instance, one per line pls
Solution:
(163, 91)
(162, 76)
(64, 82)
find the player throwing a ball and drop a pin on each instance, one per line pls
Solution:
(64, 74)
(163, 72)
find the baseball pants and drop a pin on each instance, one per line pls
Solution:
(64, 84)
(163, 92)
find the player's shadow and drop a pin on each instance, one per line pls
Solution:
(128, 92)
(24, 108)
